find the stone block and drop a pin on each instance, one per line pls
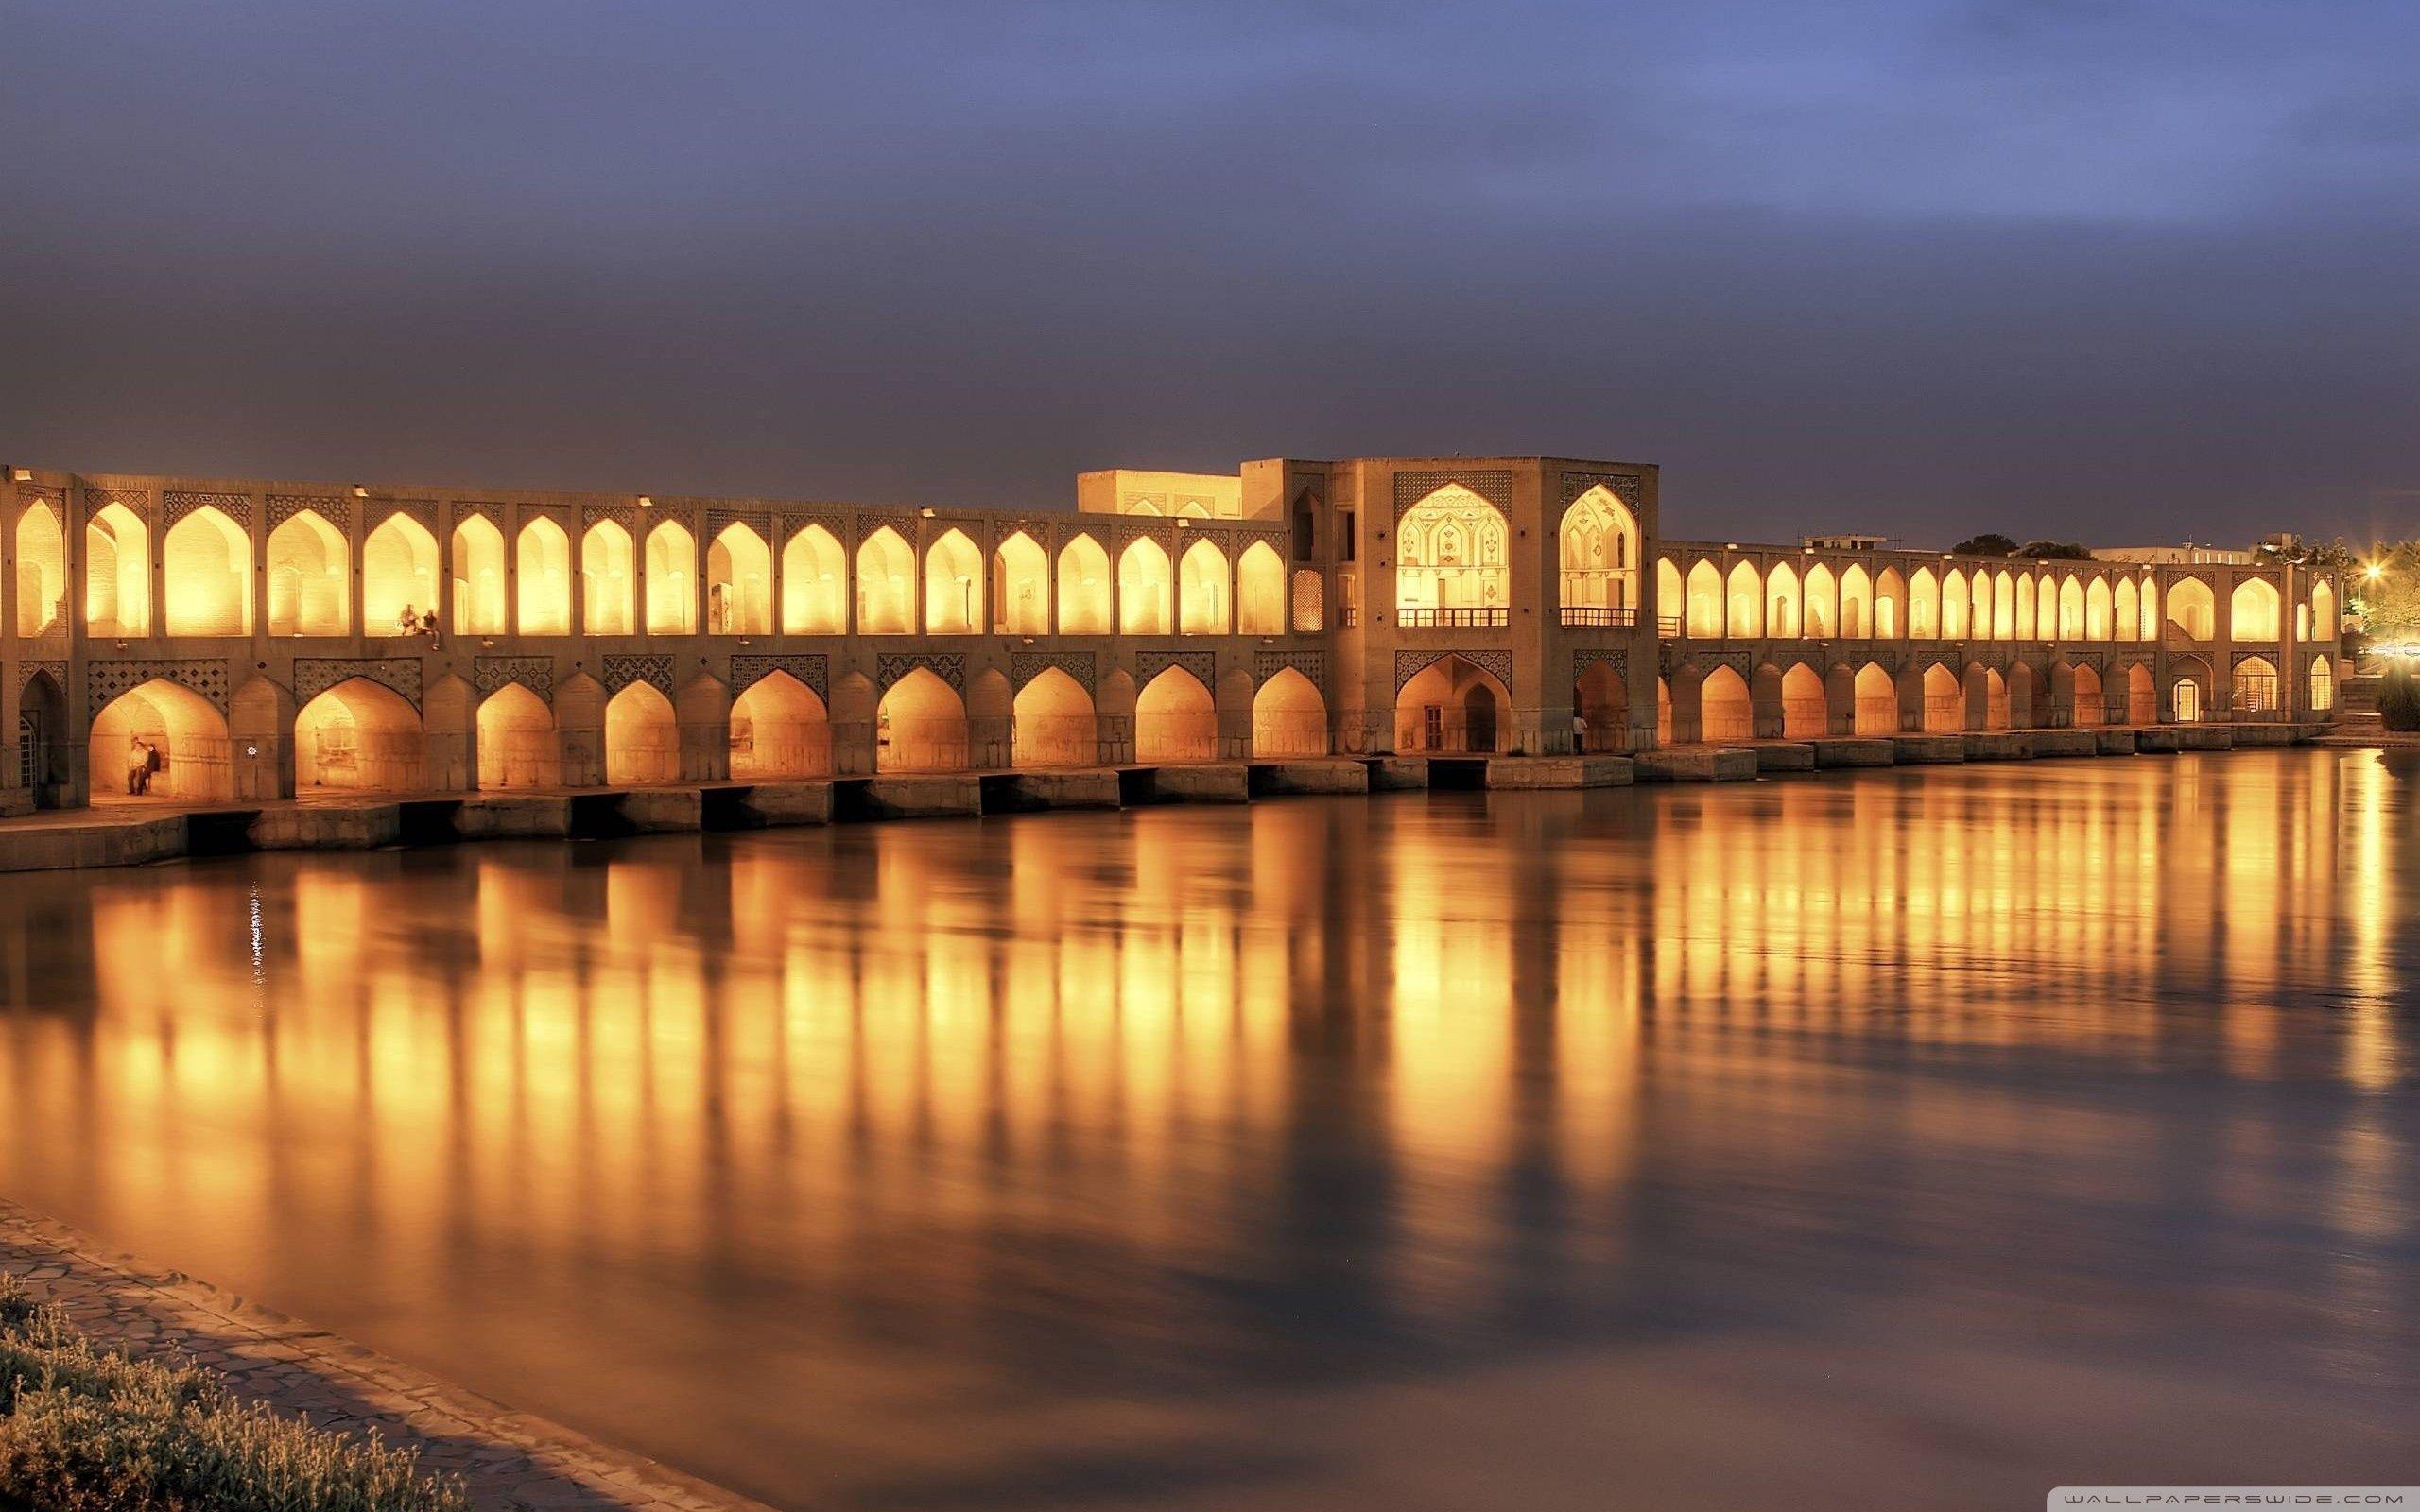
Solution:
(1274, 778)
(2162, 739)
(662, 810)
(789, 803)
(1397, 773)
(1694, 763)
(513, 815)
(2063, 742)
(1855, 750)
(1924, 750)
(59, 847)
(2261, 736)
(1533, 773)
(2114, 742)
(1202, 782)
(326, 826)
(936, 794)
(2204, 737)
(1784, 756)
(1996, 746)
(1030, 792)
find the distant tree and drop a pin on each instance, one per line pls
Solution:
(1989, 543)
(2389, 604)
(2398, 699)
(2055, 551)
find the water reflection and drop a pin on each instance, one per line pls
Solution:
(1436, 1151)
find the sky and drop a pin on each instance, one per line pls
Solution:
(2116, 269)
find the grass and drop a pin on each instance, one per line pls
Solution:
(88, 1428)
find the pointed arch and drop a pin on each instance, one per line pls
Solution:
(543, 566)
(2004, 623)
(183, 752)
(1020, 587)
(2193, 608)
(207, 576)
(1452, 554)
(1924, 606)
(815, 584)
(2071, 608)
(739, 582)
(1726, 709)
(1857, 603)
(41, 570)
(310, 578)
(1822, 594)
(1054, 723)
(1744, 609)
(2025, 607)
(2323, 626)
(1143, 588)
(117, 573)
(2323, 685)
(2253, 613)
(886, 585)
(399, 576)
(2086, 708)
(478, 578)
(1083, 588)
(779, 730)
(1452, 704)
(1175, 719)
(2097, 608)
(1953, 606)
(2142, 697)
(2125, 614)
(1945, 701)
(642, 736)
(1289, 716)
(1202, 606)
(1705, 602)
(671, 580)
(1877, 701)
(1806, 711)
(1599, 545)
(953, 584)
(1260, 590)
(359, 736)
(1995, 699)
(920, 726)
(517, 745)
(1671, 600)
(1783, 620)
(1889, 600)
(608, 584)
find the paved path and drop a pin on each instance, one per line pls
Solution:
(508, 1459)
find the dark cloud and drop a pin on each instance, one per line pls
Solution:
(2103, 269)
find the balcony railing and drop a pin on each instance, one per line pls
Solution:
(1668, 626)
(1454, 619)
(1585, 616)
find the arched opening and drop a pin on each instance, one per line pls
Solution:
(1705, 602)
(207, 578)
(517, 745)
(543, 568)
(2255, 692)
(1599, 544)
(1202, 591)
(886, 587)
(642, 737)
(1781, 602)
(1805, 712)
(2004, 607)
(1822, 594)
(1143, 588)
(41, 570)
(1889, 592)
(1289, 716)
(359, 736)
(478, 578)
(1945, 701)
(2150, 609)
(2324, 625)
(2025, 609)
(1725, 711)
(739, 583)
(117, 573)
(42, 742)
(398, 576)
(2142, 700)
(952, 586)
(2084, 709)
(920, 726)
(1260, 590)
(671, 580)
(815, 584)
(1857, 603)
(1924, 606)
(1953, 606)
(1054, 723)
(1877, 701)
(2071, 609)
(1672, 600)
(607, 587)
(1020, 587)
(2125, 614)
(1744, 617)
(2192, 609)
(1450, 560)
(2095, 610)
(2253, 614)
(779, 729)
(1995, 699)
(1451, 705)
(1601, 708)
(310, 578)
(161, 740)
(2323, 685)
(1175, 719)
(1083, 588)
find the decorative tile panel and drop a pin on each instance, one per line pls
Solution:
(1623, 485)
(1023, 666)
(950, 666)
(316, 674)
(27, 671)
(649, 667)
(284, 507)
(1617, 659)
(1310, 662)
(1494, 485)
(535, 673)
(1409, 664)
(1203, 664)
(138, 500)
(809, 669)
(104, 680)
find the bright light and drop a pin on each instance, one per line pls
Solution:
(2372, 572)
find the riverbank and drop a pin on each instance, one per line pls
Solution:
(506, 1459)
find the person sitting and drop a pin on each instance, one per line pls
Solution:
(407, 622)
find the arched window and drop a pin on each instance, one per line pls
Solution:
(1822, 619)
(1260, 591)
(310, 578)
(545, 571)
(2323, 685)
(1672, 600)
(2095, 610)
(815, 584)
(1745, 614)
(1020, 587)
(2254, 615)
(208, 576)
(1781, 602)
(1705, 602)
(2004, 608)
(1201, 589)
(1857, 603)
(1083, 588)
(739, 583)
(1451, 563)
(1599, 544)
(1143, 588)
(1890, 593)
(1924, 606)
(2256, 686)
(2323, 611)
(41, 570)
(953, 584)
(1953, 606)
(2193, 608)
(478, 578)
(397, 575)
(671, 580)
(607, 587)
(2071, 609)
(886, 584)
(2125, 614)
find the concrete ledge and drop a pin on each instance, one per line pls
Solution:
(511, 816)
(2162, 739)
(1996, 746)
(2204, 737)
(1695, 763)
(1784, 756)
(1855, 750)
(2063, 742)
(1208, 783)
(1535, 773)
(57, 847)
(1035, 792)
(2261, 736)
(1397, 773)
(352, 826)
(662, 810)
(789, 803)
(1924, 750)
(1310, 776)
(2114, 742)
(924, 796)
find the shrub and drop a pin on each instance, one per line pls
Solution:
(2398, 699)
(84, 1429)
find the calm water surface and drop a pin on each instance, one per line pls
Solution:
(1906, 1139)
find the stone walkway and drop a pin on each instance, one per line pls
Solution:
(509, 1460)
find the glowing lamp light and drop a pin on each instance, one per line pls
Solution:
(2372, 572)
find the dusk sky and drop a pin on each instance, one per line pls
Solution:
(2126, 271)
